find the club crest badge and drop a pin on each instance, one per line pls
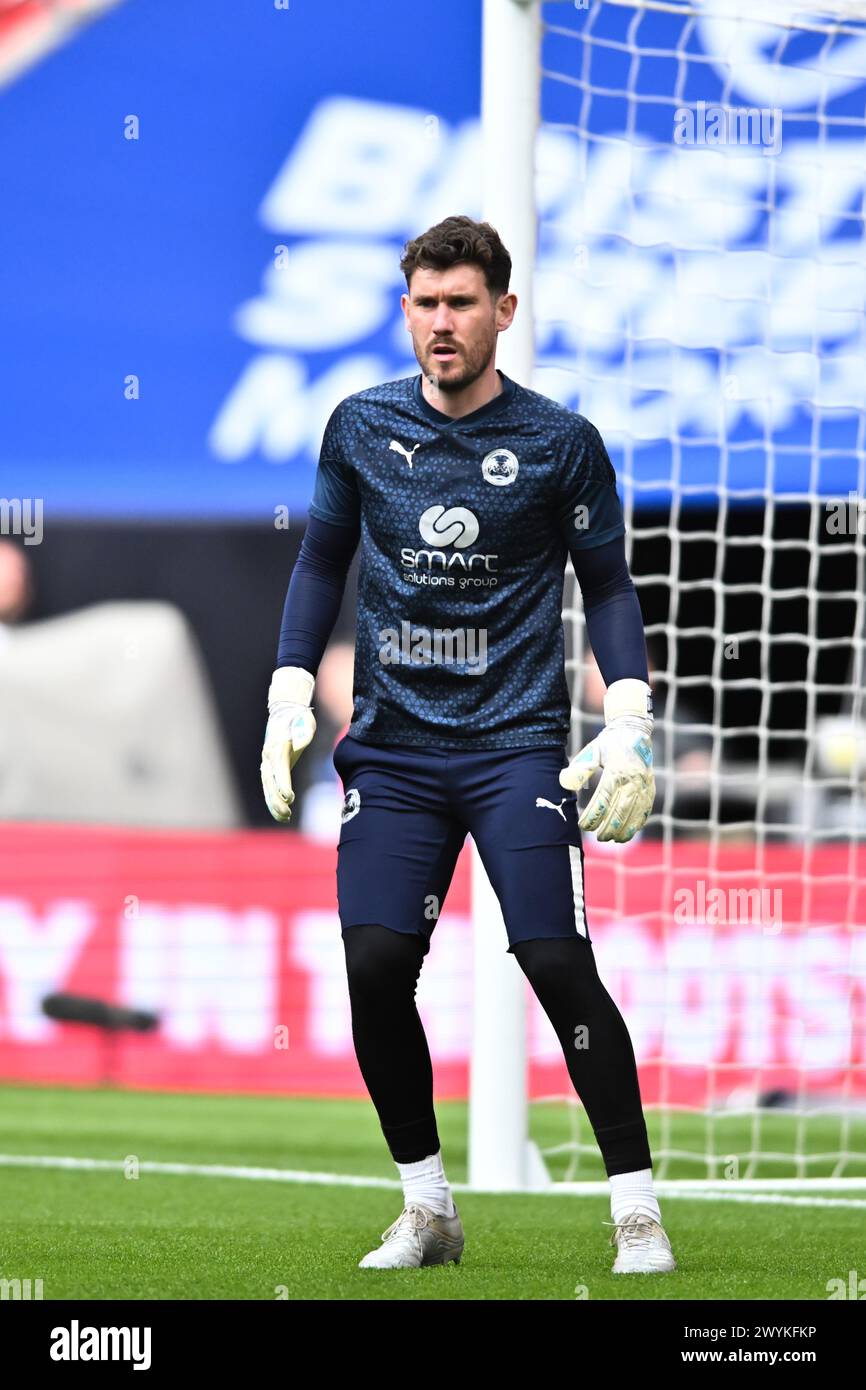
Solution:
(499, 467)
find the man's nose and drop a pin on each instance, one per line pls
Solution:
(442, 319)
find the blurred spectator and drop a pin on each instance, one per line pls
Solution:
(133, 715)
(16, 584)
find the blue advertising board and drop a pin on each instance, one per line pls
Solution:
(204, 206)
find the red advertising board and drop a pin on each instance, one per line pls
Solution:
(734, 966)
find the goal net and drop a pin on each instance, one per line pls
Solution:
(700, 297)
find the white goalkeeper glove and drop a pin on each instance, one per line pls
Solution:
(291, 725)
(624, 796)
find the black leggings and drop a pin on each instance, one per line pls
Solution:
(383, 968)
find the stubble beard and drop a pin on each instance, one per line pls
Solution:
(475, 363)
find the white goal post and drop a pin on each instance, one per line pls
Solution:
(679, 184)
(500, 1153)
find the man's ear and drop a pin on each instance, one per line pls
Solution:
(404, 305)
(506, 308)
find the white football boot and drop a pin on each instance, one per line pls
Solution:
(642, 1246)
(418, 1237)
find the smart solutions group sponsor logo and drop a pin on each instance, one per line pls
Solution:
(449, 531)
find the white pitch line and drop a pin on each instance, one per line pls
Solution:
(195, 1170)
(296, 1175)
(769, 1198)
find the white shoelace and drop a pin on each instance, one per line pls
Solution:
(636, 1231)
(412, 1218)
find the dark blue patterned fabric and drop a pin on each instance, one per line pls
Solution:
(465, 526)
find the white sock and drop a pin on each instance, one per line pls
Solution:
(425, 1182)
(633, 1192)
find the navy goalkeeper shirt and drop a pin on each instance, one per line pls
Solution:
(465, 526)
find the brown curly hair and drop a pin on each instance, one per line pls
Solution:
(459, 240)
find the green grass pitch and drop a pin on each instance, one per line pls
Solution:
(101, 1235)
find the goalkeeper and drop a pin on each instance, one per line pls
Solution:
(467, 492)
